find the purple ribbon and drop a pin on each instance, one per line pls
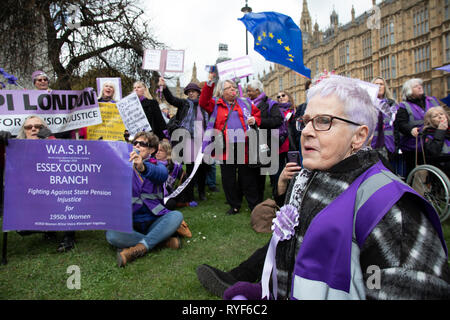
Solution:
(283, 228)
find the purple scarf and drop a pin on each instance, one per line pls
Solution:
(285, 107)
(258, 99)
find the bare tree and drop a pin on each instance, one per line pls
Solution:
(71, 36)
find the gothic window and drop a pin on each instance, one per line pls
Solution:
(420, 21)
(368, 73)
(422, 59)
(447, 47)
(367, 45)
(447, 9)
(387, 36)
(384, 67)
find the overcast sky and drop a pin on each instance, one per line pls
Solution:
(198, 26)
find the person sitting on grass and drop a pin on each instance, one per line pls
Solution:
(176, 176)
(152, 222)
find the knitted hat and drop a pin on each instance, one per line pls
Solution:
(38, 73)
(192, 86)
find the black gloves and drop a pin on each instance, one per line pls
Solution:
(4, 137)
(44, 133)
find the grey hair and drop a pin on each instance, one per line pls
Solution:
(257, 85)
(356, 102)
(387, 91)
(21, 134)
(408, 86)
(221, 85)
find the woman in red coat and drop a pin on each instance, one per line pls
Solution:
(233, 116)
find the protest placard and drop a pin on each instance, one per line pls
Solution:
(152, 60)
(117, 83)
(163, 60)
(61, 110)
(112, 127)
(133, 116)
(67, 185)
(236, 68)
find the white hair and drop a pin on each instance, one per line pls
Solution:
(221, 85)
(22, 134)
(356, 102)
(408, 87)
(257, 85)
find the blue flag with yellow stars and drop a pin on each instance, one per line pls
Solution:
(277, 39)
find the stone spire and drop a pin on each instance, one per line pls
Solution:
(305, 20)
(194, 75)
(334, 18)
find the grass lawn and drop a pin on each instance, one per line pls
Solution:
(36, 271)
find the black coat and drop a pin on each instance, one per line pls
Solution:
(154, 117)
(182, 106)
(433, 148)
(269, 120)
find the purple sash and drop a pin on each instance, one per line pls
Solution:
(325, 254)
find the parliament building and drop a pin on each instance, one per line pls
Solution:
(396, 39)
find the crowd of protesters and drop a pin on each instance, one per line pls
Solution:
(389, 133)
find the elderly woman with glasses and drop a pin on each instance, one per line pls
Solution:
(233, 116)
(40, 80)
(349, 228)
(153, 223)
(34, 127)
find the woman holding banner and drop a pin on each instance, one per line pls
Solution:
(232, 116)
(152, 222)
(35, 128)
(151, 109)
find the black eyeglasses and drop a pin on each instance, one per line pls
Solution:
(320, 123)
(281, 96)
(42, 80)
(141, 143)
(36, 126)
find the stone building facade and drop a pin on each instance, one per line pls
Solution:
(396, 39)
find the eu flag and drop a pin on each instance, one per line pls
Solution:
(278, 39)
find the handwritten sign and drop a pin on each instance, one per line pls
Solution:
(132, 114)
(112, 127)
(163, 60)
(236, 68)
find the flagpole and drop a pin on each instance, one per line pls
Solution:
(246, 10)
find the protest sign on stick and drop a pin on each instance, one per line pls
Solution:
(163, 61)
(236, 68)
(68, 185)
(133, 116)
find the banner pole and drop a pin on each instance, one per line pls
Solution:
(4, 247)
